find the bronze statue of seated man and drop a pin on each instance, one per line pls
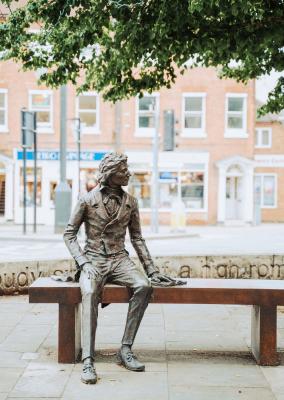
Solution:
(107, 211)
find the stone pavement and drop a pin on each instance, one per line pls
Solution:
(264, 239)
(195, 352)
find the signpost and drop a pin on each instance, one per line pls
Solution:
(29, 140)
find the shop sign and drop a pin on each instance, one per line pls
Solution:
(55, 155)
(269, 161)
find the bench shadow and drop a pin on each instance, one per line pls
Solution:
(224, 357)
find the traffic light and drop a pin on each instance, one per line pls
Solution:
(169, 130)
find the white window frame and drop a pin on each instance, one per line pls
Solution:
(4, 127)
(258, 144)
(205, 185)
(146, 132)
(94, 130)
(262, 175)
(236, 133)
(43, 127)
(194, 132)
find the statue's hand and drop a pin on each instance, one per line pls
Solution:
(158, 279)
(91, 272)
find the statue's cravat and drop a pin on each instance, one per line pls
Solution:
(112, 200)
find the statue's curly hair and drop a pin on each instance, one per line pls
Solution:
(109, 165)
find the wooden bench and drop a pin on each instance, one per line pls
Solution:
(262, 295)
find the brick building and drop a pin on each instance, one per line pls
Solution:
(226, 168)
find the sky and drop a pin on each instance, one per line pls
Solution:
(265, 84)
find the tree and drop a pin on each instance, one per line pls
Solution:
(123, 47)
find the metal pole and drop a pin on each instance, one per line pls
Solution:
(63, 191)
(155, 186)
(117, 129)
(63, 112)
(25, 191)
(23, 140)
(79, 154)
(35, 173)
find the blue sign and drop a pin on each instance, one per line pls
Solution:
(50, 155)
(168, 176)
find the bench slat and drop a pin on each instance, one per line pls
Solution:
(197, 291)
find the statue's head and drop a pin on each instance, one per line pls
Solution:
(114, 169)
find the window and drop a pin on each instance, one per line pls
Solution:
(168, 189)
(192, 189)
(266, 185)
(140, 187)
(194, 114)
(30, 187)
(41, 101)
(236, 115)
(263, 137)
(147, 108)
(88, 112)
(3, 110)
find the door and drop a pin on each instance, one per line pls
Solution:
(234, 197)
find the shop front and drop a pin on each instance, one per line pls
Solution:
(48, 176)
(183, 181)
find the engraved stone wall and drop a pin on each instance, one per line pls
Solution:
(16, 277)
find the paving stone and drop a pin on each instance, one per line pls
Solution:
(195, 310)
(42, 380)
(4, 331)
(274, 376)
(205, 341)
(15, 306)
(46, 308)
(15, 299)
(8, 378)
(12, 359)
(39, 318)
(211, 374)
(207, 373)
(25, 338)
(111, 319)
(119, 385)
(10, 318)
(186, 392)
(278, 396)
(30, 356)
(210, 323)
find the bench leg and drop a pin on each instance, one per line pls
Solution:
(69, 333)
(264, 334)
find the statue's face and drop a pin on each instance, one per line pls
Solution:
(121, 176)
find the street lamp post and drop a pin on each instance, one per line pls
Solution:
(62, 191)
(155, 186)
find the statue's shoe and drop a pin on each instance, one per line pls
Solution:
(89, 375)
(129, 361)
